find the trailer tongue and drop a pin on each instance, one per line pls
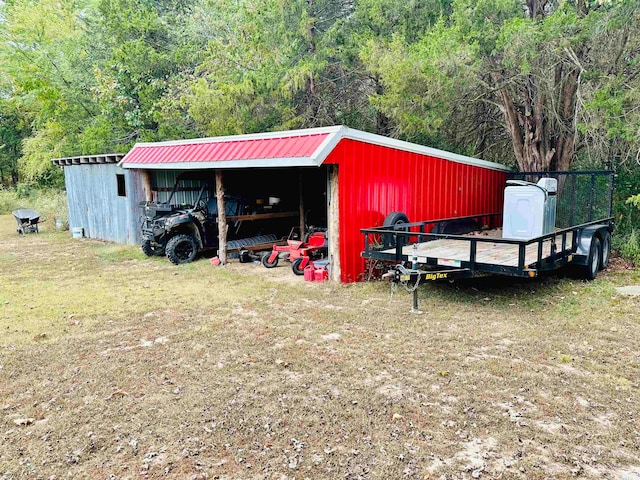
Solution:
(418, 252)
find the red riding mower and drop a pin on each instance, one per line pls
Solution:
(299, 253)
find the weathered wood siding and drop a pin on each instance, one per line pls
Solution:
(94, 204)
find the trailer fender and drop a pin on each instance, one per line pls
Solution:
(585, 237)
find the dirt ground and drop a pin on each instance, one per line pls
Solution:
(113, 365)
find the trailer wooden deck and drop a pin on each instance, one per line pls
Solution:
(447, 252)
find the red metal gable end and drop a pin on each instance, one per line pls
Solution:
(374, 181)
(205, 152)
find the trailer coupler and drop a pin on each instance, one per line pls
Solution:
(412, 278)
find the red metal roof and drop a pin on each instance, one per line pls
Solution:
(293, 148)
(215, 150)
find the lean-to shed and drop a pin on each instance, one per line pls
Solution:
(355, 178)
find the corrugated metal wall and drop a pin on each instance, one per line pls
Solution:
(94, 204)
(375, 181)
(163, 182)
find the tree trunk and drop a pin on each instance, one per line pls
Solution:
(539, 113)
(383, 125)
(543, 138)
(14, 177)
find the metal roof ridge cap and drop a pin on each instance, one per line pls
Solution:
(376, 139)
(327, 145)
(244, 136)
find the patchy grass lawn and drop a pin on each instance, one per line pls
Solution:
(113, 365)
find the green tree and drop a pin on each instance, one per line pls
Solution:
(13, 129)
(48, 78)
(375, 26)
(520, 65)
(268, 65)
(148, 50)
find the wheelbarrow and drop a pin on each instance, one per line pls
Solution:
(299, 253)
(27, 219)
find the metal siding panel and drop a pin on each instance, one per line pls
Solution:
(94, 204)
(375, 180)
(467, 197)
(135, 195)
(75, 213)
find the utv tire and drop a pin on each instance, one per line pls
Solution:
(181, 249)
(590, 270)
(295, 266)
(151, 250)
(267, 263)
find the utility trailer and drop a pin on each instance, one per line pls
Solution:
(463, 247)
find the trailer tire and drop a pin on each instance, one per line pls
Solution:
(590, 270)
(182, 249)
(267, 263)
(394, 218)
(295, 266)
(151, 250)
(605, 253)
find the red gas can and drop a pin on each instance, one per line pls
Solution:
(321, 274)
(309, 273)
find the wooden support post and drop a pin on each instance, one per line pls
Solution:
(222, 219)
(333, 224)
(145, 175)
(301, 202)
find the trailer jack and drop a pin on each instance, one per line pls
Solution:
(412, 278)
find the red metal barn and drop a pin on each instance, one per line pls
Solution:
(359, 177)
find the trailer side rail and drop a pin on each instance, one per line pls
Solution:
(563, 244)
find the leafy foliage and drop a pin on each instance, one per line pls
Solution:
(634, 200)
(542, 84)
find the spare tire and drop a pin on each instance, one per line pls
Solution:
(394, 218)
